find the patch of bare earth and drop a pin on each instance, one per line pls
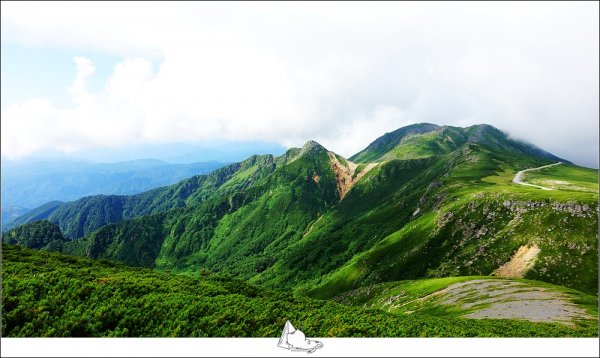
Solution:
(510, 300)
(344, 174)
(521, 261)
(311, 227)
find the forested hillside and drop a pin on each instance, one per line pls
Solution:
(56, 295)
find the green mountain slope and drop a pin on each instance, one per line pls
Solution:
(56, 295)
(473, 219)
(81, 217)
(424, 140)
(241, 233)
(314, 222)
(458, 215)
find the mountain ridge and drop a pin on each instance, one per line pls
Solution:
(441, 140)
(315, 222)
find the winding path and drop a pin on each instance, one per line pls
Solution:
(518, 179)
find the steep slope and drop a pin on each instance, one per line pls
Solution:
(56, 295)
(242, 232)
(424, 140)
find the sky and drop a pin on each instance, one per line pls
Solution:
(82, 77)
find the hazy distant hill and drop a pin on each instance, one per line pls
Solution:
(31, 184)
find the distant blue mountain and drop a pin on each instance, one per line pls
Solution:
(29, 184)
(175, 153)
(10, 213)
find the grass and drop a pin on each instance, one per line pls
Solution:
(580, 183)
(420, 146)
(359, 168)
(565, 177)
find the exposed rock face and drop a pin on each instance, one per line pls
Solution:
(345, 177)
(518, 265)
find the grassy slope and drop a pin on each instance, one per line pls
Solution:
(424, 145)
(50, 294)
(423, 140)
(565, 177)
(480, 219)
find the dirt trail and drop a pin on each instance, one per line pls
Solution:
(518, 179)
(344, 174)
(522, 261)
(510, 299)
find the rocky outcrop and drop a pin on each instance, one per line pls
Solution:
(573, 208)
(345, 176)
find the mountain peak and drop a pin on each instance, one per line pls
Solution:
(312, 144)
(312, 147)
(391, 140)
(425, 139)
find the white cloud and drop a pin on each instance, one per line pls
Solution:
(85, 68)
(342, 74)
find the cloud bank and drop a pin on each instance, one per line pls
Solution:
(339, 73)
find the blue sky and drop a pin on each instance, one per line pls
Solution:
(85, 77)
(47, 72)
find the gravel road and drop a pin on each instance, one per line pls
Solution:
(518, 179)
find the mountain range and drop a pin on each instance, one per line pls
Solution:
(29, 184)
(422, 202)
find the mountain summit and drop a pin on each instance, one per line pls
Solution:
(425, 139)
